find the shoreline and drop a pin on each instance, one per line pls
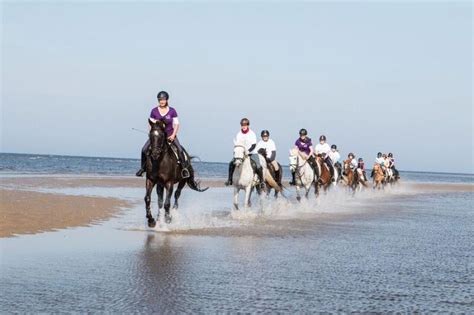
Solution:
(25, 209)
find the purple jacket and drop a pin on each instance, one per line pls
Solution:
(304, 146)
(167, 119)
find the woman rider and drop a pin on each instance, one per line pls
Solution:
(249, 139)
(304, 145)
(169, 116)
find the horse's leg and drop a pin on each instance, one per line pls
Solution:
(236, 198)
(178, 193)
(149, 187)
(159, 190)
(169, 192)
(248, 191)
(298, 197)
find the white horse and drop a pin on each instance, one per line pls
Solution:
(244, 176)
(304, 174)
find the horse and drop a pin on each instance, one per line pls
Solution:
(276, 174)
(348, 175)
(379, 177)
(338, 172)
(164, 171)
(325, 178)
(359, 179)
(389, 177)
(304, 173)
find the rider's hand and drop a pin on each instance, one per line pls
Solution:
(171, 138)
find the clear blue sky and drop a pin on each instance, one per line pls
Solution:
(371, 76)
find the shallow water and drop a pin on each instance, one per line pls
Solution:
(378, 251)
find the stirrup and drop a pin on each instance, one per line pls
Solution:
(140, 172)
(185, 173)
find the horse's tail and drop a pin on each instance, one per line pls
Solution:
(271, 181)
(191, 181)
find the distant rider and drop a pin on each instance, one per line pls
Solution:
(268, 146)
(392, 166)
(305, 146)
(380, 161)
(249, 139)
(361, 166)
(322, 149)
(169, 116)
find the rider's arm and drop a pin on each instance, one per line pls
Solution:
(311, 151)
(273, 156)
(252, 147)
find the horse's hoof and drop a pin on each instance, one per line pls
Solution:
(175, 207)
(298, 198)
(167, 218)
(151, 223)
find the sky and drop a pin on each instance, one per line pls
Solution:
(372, 76)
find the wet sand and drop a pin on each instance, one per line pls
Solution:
(29, 212)
(25, 210)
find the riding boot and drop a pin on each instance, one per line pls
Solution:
(314, 165)
(331, 171)
(293, 179)
(372, 174)
(143, 166)
(231, 173)
(365, 176)
(184, 165)
(260, 177)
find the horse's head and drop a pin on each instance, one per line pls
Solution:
(347, 166)
(293, 160)
(262, 151)
(240, 153)
(157, 137)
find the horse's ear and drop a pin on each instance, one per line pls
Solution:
(151, 121)
(162, 124)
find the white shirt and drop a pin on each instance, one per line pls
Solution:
(379, 160)
(334, 156)
(322, 148)
(268, 145)
(354, 163)
(246, 139)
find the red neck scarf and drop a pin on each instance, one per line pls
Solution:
(244, 132)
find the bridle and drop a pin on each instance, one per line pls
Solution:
(245, 153)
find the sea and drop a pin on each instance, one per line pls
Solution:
(399, 250)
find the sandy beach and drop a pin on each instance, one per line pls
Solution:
(25, 210)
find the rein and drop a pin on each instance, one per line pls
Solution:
(245, 153)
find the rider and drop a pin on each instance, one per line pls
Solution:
(392, 166)
(361, 165)
(304, 145)
(169, 116)
(334, 155)
(322, 149)
(378, 160)
(352, 161)
(269, 146)
(248, 137)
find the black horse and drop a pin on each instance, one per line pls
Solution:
(164, 171)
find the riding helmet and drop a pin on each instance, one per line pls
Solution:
(163, 94)
(390, 155)
(244, 121)
(351, 154)
(303, 132)
(379, 154)
(265, 133)
(334, 147)
(360, 159)
(322, 138)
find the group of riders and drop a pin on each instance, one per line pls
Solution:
(266, 147)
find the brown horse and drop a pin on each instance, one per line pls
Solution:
(348, 175)
(163, 170)
(273, 176)
(325, 180)
(379, 177)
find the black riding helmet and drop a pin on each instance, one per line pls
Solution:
(390, 155)
(265, 133)
(163, 95)
(322, 138)
(303, 132)
(334, 146)
(351, 154)
(360, 160)
(379, 154)
(245, 122)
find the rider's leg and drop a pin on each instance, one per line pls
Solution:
(314, 165)
(372, 173)
(182, 159)
(331, 168)
(365, 175)
(231, 173)
(143, 159)
(293, 179)
(395, 172)
(256, 159)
